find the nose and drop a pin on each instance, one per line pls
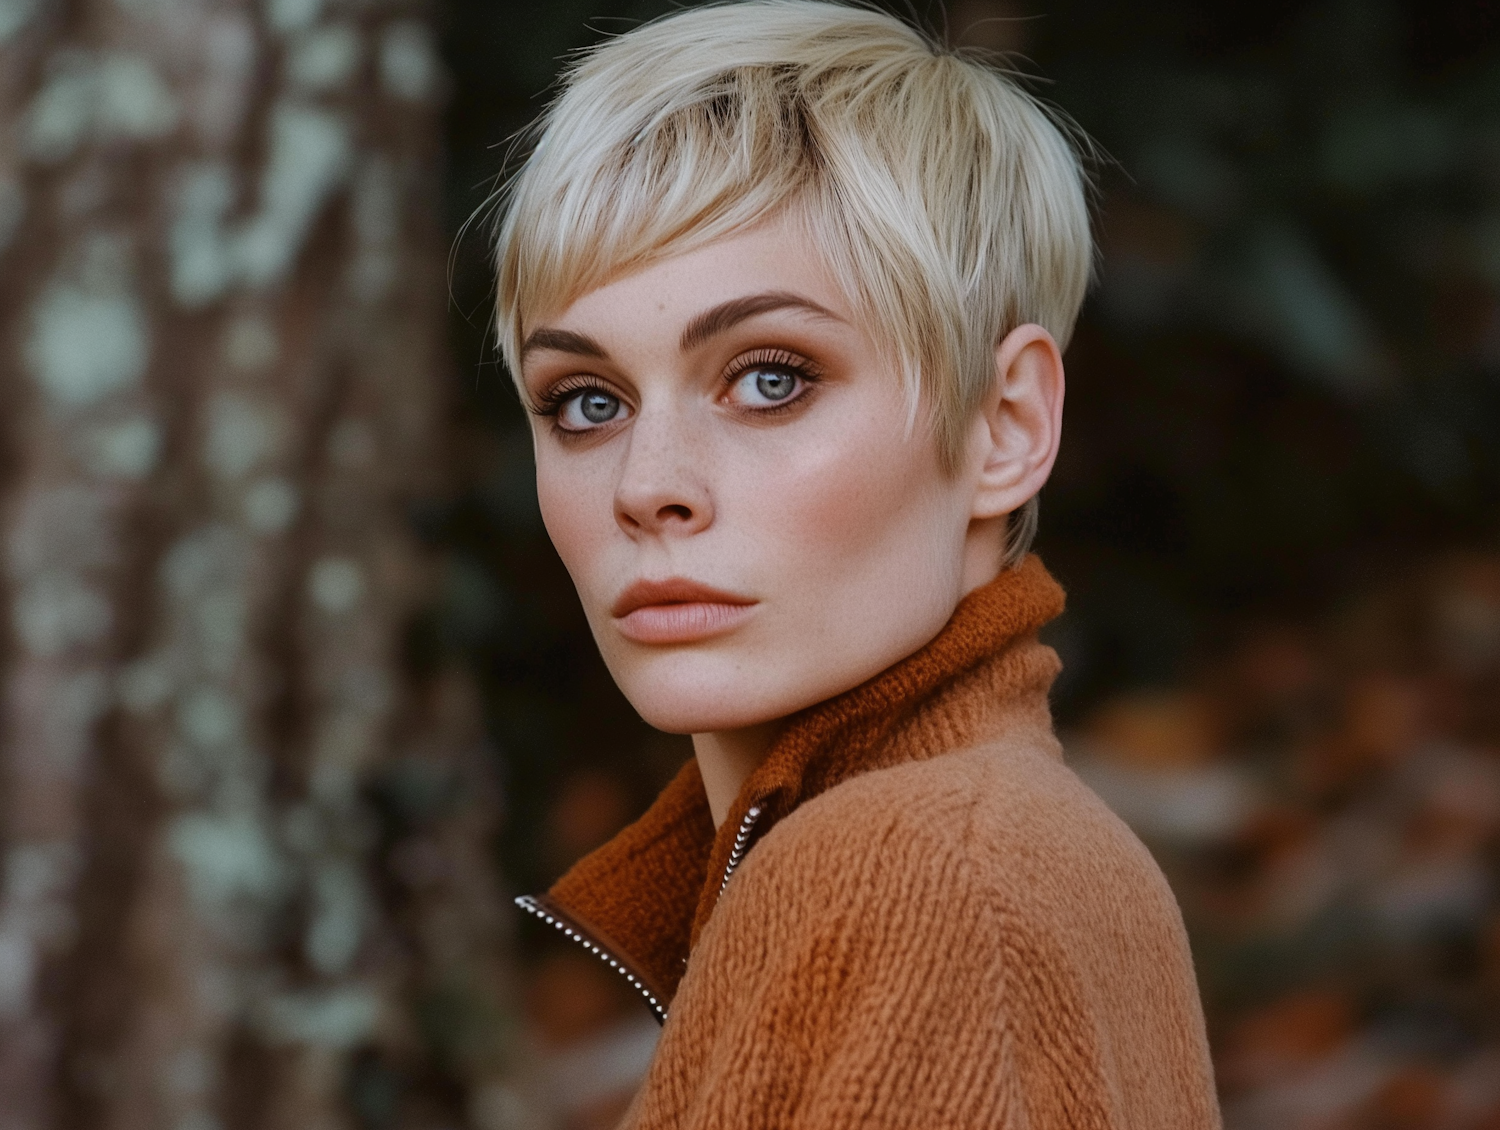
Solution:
(663, 487)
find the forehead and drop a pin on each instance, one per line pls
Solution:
(773, 257)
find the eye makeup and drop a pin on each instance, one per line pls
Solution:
(778, 364)
(581, 404)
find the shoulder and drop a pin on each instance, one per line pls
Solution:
(1007, 826)
(1013, 802)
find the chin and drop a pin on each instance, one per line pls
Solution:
(705, 691)
(691, 694)
(689, 714)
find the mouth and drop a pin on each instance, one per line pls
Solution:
(677, 610)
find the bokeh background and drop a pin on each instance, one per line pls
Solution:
(294, 693)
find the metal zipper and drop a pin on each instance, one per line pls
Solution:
(529, 904)
(741, 845)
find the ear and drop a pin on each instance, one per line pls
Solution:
(1020, 422)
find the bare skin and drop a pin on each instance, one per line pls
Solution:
(726, 465)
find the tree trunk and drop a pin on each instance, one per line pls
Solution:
(246, 875)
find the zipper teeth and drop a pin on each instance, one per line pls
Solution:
(529, 904)
(741, 843)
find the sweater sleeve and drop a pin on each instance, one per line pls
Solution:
(862, 973)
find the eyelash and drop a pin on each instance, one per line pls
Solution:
(550, 402)
(799, 367)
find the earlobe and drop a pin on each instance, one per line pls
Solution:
(1020, 422)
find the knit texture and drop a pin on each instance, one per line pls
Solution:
(937, 925)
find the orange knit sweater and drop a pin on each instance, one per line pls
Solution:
(915, 916)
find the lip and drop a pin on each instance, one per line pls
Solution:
(677, 610)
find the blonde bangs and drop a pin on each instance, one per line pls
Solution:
(947, 202)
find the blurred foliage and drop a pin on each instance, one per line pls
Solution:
(1287, 377)
(1286, 382)
(1324, 796)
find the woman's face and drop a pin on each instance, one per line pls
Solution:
(726, 467)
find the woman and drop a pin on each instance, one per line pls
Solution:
(784, 286)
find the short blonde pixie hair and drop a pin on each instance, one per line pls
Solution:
(948, 203)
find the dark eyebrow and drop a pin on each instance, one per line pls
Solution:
(736, 310)
(564, 341)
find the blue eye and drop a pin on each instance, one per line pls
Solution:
(766, 386)
(589, 409)
(597, 408)
(775, 386)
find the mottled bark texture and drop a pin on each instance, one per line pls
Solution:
(245, 875)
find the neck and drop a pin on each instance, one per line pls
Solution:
(984, 548)
(726, 759)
